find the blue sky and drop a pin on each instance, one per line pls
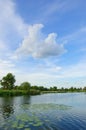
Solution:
(44, 41)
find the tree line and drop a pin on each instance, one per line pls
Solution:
(8, 83)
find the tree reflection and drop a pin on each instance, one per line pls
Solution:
(10, 104)
(25, 100)
(7, 107)
(7, 111)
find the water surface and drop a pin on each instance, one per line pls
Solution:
(66, 111)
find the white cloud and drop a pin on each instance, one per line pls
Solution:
(42, 79)
(12, 28)
(3, 47)
(39, 46)
(9, 19)
(75, 70)
(4, 63)
(6, 66)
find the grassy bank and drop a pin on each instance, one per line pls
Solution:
(30, 92)
(45, 92)
(18, 92)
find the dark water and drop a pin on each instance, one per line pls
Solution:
(65, 111)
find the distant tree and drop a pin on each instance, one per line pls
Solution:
(66, 89)
(54, 88)
(84, 88)
(25, 86)
(51, 88)
(41, 88)
(8, 81)
(75, 89)
(35, 87)
(71, 89)
(16, 87)
(62, 89)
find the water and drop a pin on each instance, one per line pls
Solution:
(66, 111)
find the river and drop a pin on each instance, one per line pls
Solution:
(59, 111)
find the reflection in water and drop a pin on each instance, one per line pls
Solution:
(7, 111)
(8, 103)
(25, 100)
(7, 107)
(44, 112)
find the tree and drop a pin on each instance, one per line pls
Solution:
(54, 88)
(25, 86)
(71, 89)
(84, 88)
(8, 81)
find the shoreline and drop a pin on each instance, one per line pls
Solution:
(7, 93)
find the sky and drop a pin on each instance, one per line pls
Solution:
(44, 41)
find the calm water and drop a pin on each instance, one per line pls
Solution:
(65, 111)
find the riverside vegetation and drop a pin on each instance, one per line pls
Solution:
(9, 89)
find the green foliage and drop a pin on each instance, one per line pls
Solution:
(18, 92)
(84, 89)
(8, 88)
(34, 92)
(13, 92)
(8, 81)
(25, 86)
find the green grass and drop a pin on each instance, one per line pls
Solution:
(18, 92)
(69, 91)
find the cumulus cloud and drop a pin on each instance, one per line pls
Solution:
(34, 42)
(39, 46)
(12, 27)
(9, 19)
